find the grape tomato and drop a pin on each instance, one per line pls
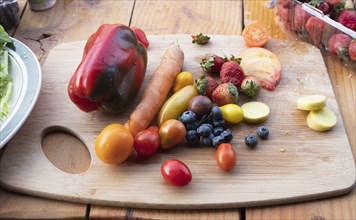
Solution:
(176, 172)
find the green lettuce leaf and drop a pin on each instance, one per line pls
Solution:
(5, 77)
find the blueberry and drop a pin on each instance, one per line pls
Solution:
(218, 123)
(251, 140)
(180, 118)
(206, 119)
(217, 131)
(188, 117)
(210, 126)
(227, 135)
(191, 126)
(207, 141)
(205, 130)
(216, 113)
(192, 137)
(210, 118)
(263, 132)
(217, 140)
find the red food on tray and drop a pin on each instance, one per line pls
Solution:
(329, 25)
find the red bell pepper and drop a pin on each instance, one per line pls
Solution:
(141, 36)
(111, 72)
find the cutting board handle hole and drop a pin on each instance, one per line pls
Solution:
(65, 150)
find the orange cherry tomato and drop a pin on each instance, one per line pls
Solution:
(114, 144)
(225, 157)
(255, 35)
(172, 132)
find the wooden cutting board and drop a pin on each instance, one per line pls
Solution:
(312, 165)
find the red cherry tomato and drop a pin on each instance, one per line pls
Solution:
(176, 172)
(147, 141)
(225, 157)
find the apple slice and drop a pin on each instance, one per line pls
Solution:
(259, 52)
(262, 64)
(265, 72)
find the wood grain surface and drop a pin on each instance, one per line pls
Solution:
(311, 167)
(67, 21)
(38, 31)
(181, 17)
(103, 212)
(343, 80)
(190, 17)
(18, 206)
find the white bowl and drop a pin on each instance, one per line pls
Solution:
(26, 76)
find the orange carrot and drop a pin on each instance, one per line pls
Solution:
(157, 90)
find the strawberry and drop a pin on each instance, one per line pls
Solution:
(283, 3)
(338, 45)
(231, 72)
(212, 64)
(321, 5)
(284, 13)
(225, 93)
(300, 17)
(348, 19)
(324, 7)
(333, 3)
(205, 85)
(352, 50)
(336, 6)
(200, 39)
(250, 86)
(315, 28)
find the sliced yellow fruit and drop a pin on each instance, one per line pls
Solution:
(255, 112)
(232, 113)
(311, 102)
(321, 120)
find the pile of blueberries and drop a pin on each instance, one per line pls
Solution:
(207, 130)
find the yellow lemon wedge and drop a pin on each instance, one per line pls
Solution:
(311, 102)
(321, 120)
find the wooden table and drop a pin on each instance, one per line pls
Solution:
(77, 19)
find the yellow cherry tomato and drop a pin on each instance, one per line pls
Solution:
(232, 113)
(183, 79)
(114, 144)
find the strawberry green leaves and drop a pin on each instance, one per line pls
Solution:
(200, 39)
